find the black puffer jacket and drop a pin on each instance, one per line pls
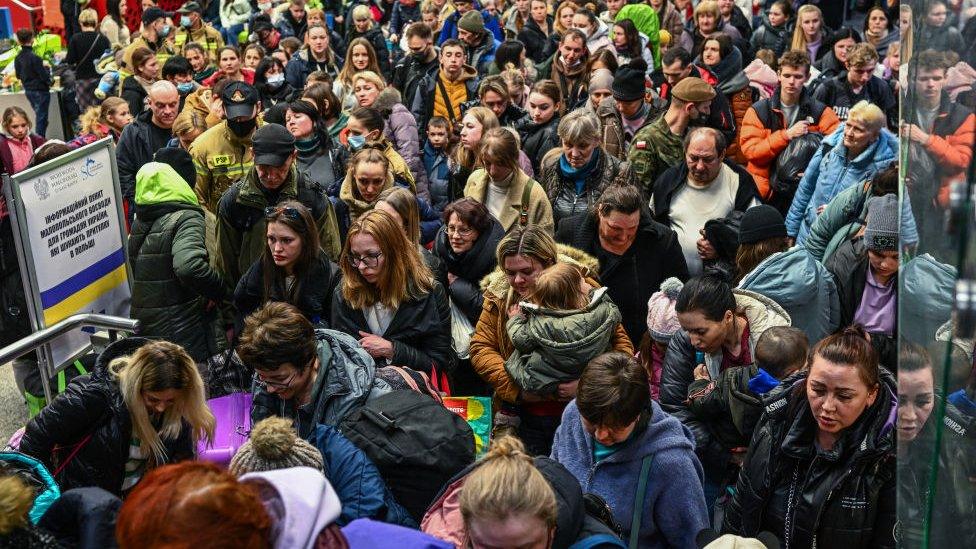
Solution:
(538, 139)
(772, 38)
(93, 405)
(314, 299)
(538, 46)
(420, 330)
(469, 267)
(844, 497)
(83, 518)
(561, 191)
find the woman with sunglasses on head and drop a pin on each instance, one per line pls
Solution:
(320, 158)
(389, 299)
(293, 269)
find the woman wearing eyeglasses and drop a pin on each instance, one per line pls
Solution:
(389, 299)
(293, 268)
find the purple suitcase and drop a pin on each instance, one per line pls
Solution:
(233, 415)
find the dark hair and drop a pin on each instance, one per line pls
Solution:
(676, 54)
(625, 199)
(850, 346)
(320, 76)
(724, 43)
(781, 349)
(24, 35)
(889, 20)
(837, 36)
(195, 46)
(607, 57)
(304, 226)
(471, 212)
(710, 293)
(885, 181)
(369, 117)
(261, 71)
(786, 7)
(234, 49)
(113, 11)
(633, 37)
(325, 100)
(912, 357)
(276, 334)
(613, 390)
(139, 57)
(590, 16)
(308, 109)
(47, 152)
(289, 45)
(929, 60)
(795, 58)
(574, 33)
(222, 82)
(509, 51)
(175, 66)
(452, 43)
(419, 29)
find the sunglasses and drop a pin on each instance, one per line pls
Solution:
(287, 212)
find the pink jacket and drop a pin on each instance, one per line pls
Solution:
(761, 77)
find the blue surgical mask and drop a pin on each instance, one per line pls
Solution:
(356, 142)
(185, 87)
(165, 31)
(185, 22)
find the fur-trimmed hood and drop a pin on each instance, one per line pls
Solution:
(387, 99)
(496, 283)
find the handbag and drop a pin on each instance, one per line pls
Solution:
(232, 411)
(461, 332)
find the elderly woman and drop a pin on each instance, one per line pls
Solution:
(512, 197)
(522, 255)
(575, 179)
(856, 151)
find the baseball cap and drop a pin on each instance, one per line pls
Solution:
(272, 145)
(153, 14)
(190, 7)
(239, 99)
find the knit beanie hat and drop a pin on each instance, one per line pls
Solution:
(628, 83)
(179, 160)
(600, 79)
(760, 223)
(274, 444)
(881, 233)
(472, 21)
(662, 320)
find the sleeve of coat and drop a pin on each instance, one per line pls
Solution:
(954, 151)
(430, 222)
(676, 375)
(621, 342)
(760, 145)
(356, 480)
(228, 249)
(804, 192)
(886, 517)
(294, 74)
(485, 357)
(542, 210)
(134, 99)
(826, 226)
(191, 263)
(408, 145)
(127, 162)
(828, 121)
(518, 332)
(329, 232)
(673, 258)
(203, 187)
(246, 301)
(467, 297)
(70, 417)
(743, 515)
(705, 400)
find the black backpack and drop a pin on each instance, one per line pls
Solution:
(416, 443)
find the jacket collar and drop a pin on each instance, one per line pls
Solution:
(478, 189)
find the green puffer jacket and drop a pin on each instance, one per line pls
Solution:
(552, 347)
(173, 279)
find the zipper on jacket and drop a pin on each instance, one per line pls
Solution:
(816, 523)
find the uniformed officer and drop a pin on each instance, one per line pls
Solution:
(193, 29)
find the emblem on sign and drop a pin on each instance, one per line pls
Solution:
(42, 188)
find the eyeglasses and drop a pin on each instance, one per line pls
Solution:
(369, 260)
(465, 232)
(265, 383)
(289, 212)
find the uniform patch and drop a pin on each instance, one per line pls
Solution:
(641, 145)
(223, 160)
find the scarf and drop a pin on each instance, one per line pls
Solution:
(146, 84)
(308, 145)
(578, 176)
(569, 80)
(204, 74)
(349, 195)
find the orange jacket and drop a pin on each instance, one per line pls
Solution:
(951, 145)
(760, 143)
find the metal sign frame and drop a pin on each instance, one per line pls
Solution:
(25, 251)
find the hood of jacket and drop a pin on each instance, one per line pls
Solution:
(602, 31)
(762, 77)
(300, 501)
(157, 183)
(761, 311)
(791, 279)
(565, 335)
(387, 99)
(120, 348)
(496, 283)
(467, 73)
(729, 73)
(963, 345)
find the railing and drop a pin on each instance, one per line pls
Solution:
(112, 324)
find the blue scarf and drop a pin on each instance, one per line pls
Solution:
(578, 176)
(763, 383)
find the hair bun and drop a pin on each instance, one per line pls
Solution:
(507, 447)
(672, 287)
(273, 438)
(714, 271)
(855, 330)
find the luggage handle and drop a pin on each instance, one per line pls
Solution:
(381, 420)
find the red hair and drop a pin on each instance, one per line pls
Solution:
(193, 504)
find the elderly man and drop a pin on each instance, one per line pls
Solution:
(635, 252)
(149, 132)
(701, 188)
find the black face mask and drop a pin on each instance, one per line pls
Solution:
(242, 128)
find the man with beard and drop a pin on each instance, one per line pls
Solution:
(658, 145)
(567, 67)
(149, 132)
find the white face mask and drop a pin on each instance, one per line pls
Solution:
(265, 6)
(276, 79)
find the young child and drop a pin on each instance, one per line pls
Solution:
(565, 324)
(436, 152)
(35, 78)
(733, 400)
(17, 144)
(662, 323)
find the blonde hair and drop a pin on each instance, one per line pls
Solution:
(507, 483)
(369, 155)
(88, 17)
(187, 121)
(404, 203)
(868, 114)
(907, 38)
(556, 24)
(10, 113)
(799, 41)
(371, 77)
(531, 241)
(488, 121)
(360, 12)
(404, 275)
(558, 287)
(348, 74)
(707, 6)
(92, 122)
(16, 499)
(158, 366)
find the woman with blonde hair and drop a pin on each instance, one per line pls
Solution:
(360, 56)
(142, 407)
(367, 175)
(84, 49)
(101, 121)
(809, 33)
(511, 196)
(467, 154)
(390, 300)
(419, 221)
(188, 126)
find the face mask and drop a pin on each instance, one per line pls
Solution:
(356, 142)
(165, 31)
(185, 22)
(185, 87)
(275, 80)
(264, 7)
(243, 128)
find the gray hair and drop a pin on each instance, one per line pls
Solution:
(579, 126)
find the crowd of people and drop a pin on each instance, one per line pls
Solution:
(665, 237)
